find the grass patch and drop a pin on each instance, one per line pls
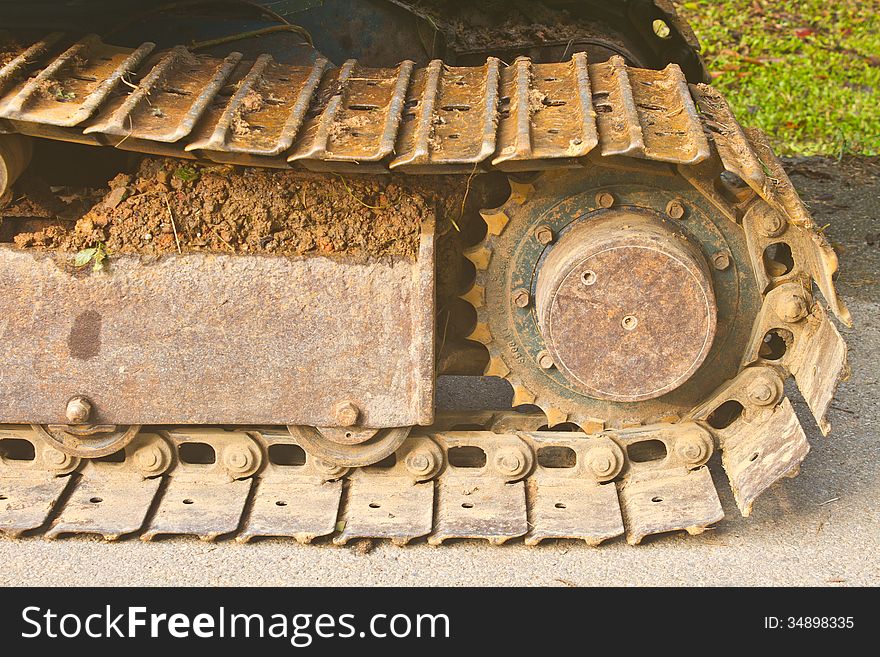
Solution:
(807, 72)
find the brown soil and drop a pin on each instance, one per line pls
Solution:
(9, 50)
(246, 210)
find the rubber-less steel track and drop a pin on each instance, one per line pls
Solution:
(493, 476)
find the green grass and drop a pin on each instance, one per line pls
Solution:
(807, 72)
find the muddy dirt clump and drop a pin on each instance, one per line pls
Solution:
(172, 205)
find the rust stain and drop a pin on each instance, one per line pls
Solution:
(84, 341)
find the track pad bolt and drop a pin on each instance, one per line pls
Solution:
(239, 460)
(544, 234)
(78, 410)
(771, 224)
(328, 469)
(56, 459)
(675, 209)
(420, 463)
(510, 462)
(791, 308)
(151, 459)
(605, 199)
(520, 298)
(693, 449)
(604, 463)
(762, 392)
(346, 414)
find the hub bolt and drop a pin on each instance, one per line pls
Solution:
(521, 298)
(544, 234)
(346, 414)
(589, 277)
(721, 261)
(675, 209)
(605, 199)
(545, 360)
(78, 410)
(629, 322)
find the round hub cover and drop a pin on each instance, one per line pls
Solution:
(625, 307)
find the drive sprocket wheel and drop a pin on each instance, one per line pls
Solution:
(612, 297)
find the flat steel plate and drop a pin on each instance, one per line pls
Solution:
(217, 339)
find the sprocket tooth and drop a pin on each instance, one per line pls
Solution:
(520, 192)
(476, 296)
(479, 255)
(522, 395)
(496, 219)
(555, 416)
(496, 367)
(481, 333)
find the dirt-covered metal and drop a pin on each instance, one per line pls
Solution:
(339, 349)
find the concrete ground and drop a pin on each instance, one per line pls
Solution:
(820, 529)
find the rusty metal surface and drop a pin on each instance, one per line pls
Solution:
(515, 267)
(166, 104)
(209, 339)
(207, 499)
(546, 112)
(295, 497)
(571, 495)
(113, 498)
(419, 120)
(450, 119)
(73, 86)
(761, 438)
(625, 306)
(266, 112)
(397, 502)
(30, 484)
(361, 119)
(807, 344)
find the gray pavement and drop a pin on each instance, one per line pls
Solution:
(821, 528)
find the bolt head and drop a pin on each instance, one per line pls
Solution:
(346, 414)
(605, 199)
(693, 450)
(520, 298)
(545, 360)
(792, 308)
(721, 261)
(544, 235)
(762, 392)
(675, 209)
(238, 459)
(510, 462)
(78, 410)
(771, 224)
(56, 458)
(603, 462)
(420, 463)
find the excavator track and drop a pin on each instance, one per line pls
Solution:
(494, 476)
